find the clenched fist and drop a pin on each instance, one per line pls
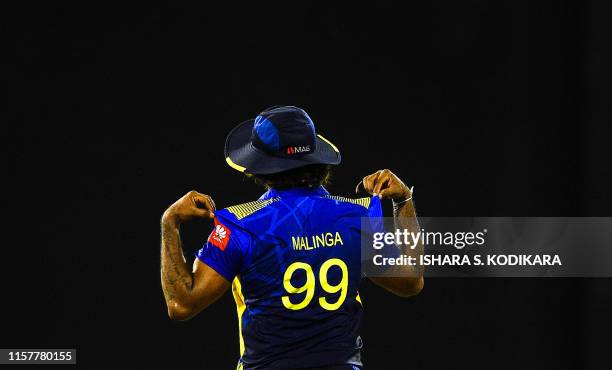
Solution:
(386, 185)
(191, 205)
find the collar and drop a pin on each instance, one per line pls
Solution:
(295, 192)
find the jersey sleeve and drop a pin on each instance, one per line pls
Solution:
(377, 225)
(372, 223)
(224, 250)
(375, 216)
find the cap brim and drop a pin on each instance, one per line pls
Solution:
(241, 155)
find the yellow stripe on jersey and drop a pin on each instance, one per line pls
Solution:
(246, 209)
(358, 298)
(240, 308)
(364, 202)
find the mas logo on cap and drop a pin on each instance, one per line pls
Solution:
(298, 149)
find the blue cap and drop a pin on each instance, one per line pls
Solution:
(278, 139)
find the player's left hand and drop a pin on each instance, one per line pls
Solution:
(386, 185)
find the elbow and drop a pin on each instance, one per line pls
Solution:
(412, 288)
(177, 312)
(178, 316)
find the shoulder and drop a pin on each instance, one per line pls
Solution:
(239, 213)
(241, 219)
(363, 202)
(367, 206)
(247, 218)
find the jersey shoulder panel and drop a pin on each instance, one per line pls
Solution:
(244, 210)
(364, 202)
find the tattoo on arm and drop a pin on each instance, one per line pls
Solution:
(176, 278)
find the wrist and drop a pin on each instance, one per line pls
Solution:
(397, 205)
(170, 219)
(405, 197)
(404, 206)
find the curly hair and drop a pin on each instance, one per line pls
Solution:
(310, 176)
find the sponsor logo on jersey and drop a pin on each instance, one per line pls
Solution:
(220, 235)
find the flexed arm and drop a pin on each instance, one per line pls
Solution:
(186, 293)
(387, 185)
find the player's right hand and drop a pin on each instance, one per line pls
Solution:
(191, 205)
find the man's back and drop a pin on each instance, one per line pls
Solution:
(294, 258)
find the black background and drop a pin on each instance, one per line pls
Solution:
(488, 108)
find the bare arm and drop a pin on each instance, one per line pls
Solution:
(186, 292)
(387, 185)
